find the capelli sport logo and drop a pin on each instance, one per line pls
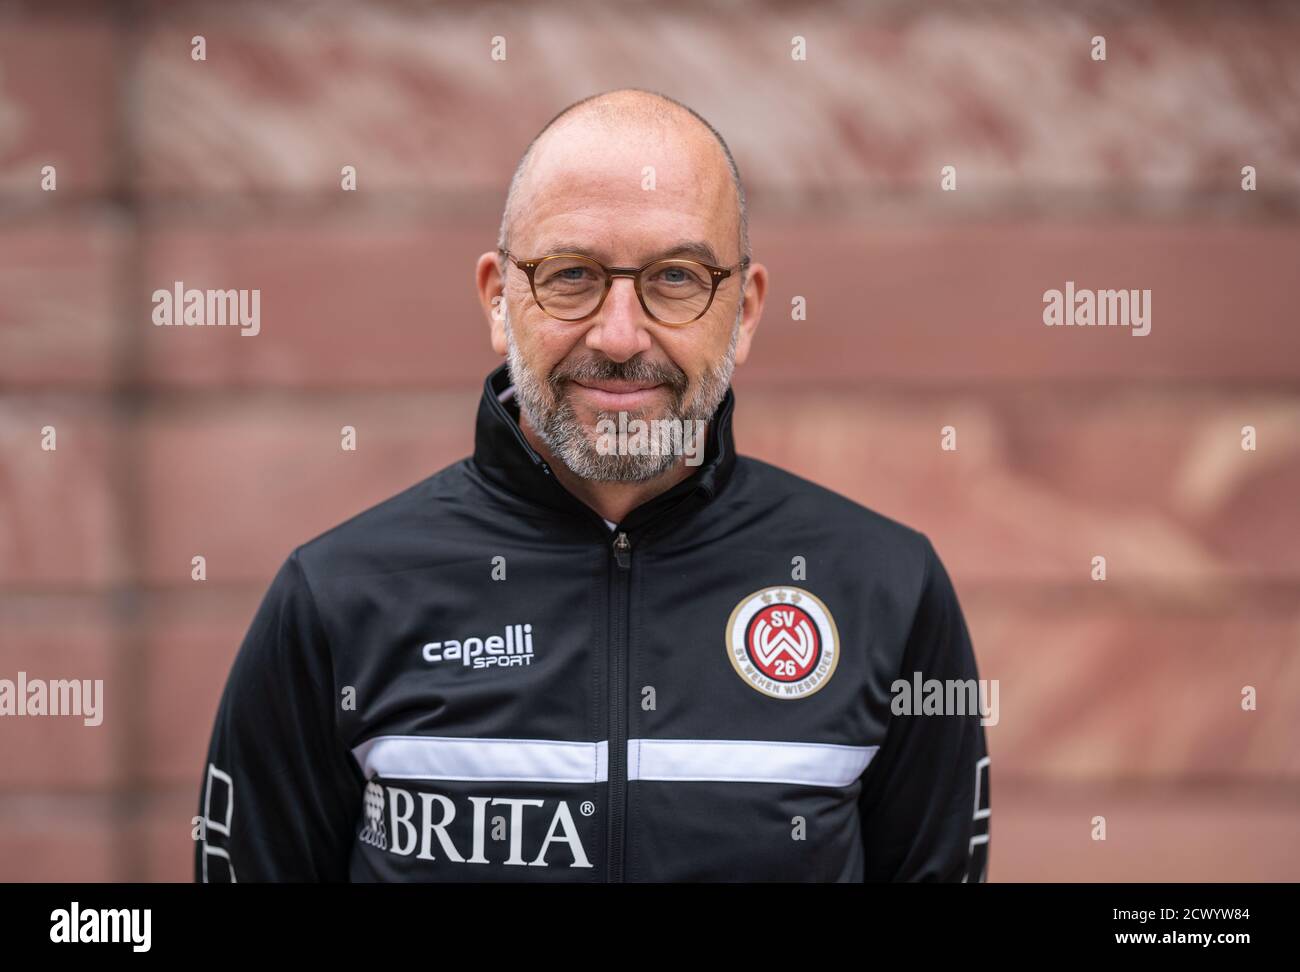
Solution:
(508, 650)
(783, 642)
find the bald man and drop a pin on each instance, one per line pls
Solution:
(604, 647)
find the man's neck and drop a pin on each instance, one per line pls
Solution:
(612, 500)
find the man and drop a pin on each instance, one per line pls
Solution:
(594, 652)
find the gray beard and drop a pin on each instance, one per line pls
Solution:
(552, 417)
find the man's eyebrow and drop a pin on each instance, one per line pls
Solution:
(565, 246)
(696, 249)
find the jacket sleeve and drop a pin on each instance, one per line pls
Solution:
(280, 792)
(925, 799)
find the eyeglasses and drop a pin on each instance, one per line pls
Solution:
(571, 287)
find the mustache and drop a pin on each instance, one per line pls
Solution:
(634, 370)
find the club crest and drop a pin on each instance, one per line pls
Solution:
(783, 642)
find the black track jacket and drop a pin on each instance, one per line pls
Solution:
(479, 680)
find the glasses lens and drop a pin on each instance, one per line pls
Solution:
(568, 287)
(677, 291)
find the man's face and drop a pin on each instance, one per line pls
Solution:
(587, 192)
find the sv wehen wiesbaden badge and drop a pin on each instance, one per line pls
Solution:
(783, 642)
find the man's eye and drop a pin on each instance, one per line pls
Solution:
(676, 277)
(572, 275)
(568, 276)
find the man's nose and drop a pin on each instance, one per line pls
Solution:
(619, 329)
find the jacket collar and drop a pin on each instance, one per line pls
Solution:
(504, 457)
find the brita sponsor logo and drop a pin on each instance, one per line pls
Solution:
(515, 647)
(502, 830)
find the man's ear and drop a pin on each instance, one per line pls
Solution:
(755, 294)
(492, 298)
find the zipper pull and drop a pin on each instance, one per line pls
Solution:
(623, 550)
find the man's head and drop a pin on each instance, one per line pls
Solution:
(626, 177)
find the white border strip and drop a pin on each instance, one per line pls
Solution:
(746, 761)
(462, 758)
(561, 761)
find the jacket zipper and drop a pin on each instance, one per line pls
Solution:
(620, 614)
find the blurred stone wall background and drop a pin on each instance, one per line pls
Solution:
(1118, 698)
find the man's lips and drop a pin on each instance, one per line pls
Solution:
(618, 394)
